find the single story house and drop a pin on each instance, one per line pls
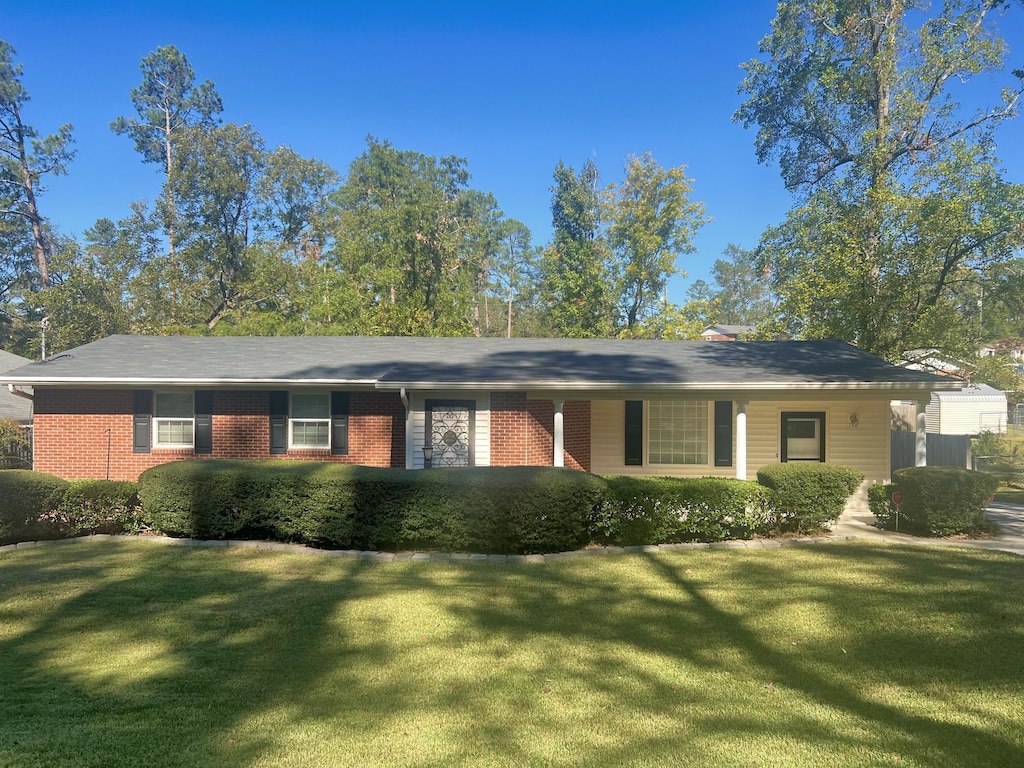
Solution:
(726, 332)
(117, 406)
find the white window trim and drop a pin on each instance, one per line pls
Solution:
(709, 434)
(292, 445)
(158, 420)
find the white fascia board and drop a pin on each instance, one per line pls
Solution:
(87, 381)
(576, 386)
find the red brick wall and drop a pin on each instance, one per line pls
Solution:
(71, 436)
(522, 431)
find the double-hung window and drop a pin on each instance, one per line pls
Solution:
(174, 422)
(309, 424)
(678, 432)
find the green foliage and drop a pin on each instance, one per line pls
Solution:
(659, 510)
(904, 200)
(809, 497)
(484, 509)
(415, 241)
(167, 102)
(26, 499)
(651, 222)
(98, 506)
(944, 501)
(578, 276)
(738, 296)
(25, 159)
(881, 505)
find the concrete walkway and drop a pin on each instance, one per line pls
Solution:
(857, 522)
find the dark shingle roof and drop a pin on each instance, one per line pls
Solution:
(11, 406)
(390, 362)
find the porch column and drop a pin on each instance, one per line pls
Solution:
(921, 443)
(559, 457)
(741, 439)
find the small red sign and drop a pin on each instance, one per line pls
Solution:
(897, 498)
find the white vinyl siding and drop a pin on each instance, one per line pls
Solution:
(174, 423)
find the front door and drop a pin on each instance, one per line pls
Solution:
(803, 437)
(449, 429)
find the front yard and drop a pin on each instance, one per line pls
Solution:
(845, 654)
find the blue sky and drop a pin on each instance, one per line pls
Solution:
(512, 87)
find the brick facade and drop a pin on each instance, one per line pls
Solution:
(522, 431)
(82, 433)
(88, 433)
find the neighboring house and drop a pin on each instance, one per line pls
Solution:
(684, 408)
(968, 411)
(724, 332)
(12, 407)
(930, 360)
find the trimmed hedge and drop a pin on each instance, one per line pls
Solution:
(660, 510)
(809, 497)
(881, 506)
(481, 509)
(26, 499)
(99, 506)
(943, 501)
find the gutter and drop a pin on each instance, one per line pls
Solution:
(20, 393)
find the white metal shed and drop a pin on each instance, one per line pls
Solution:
(968, 411)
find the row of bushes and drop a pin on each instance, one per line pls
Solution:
(35, 506)
(936, 501)
(486, 509)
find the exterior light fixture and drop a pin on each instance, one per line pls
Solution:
(854, 421)
(428, 456)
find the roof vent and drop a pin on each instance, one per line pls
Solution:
(55, 358)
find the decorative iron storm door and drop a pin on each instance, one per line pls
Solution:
(449, 430)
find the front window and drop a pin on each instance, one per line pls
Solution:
(678, 432)
(310, 422)
(174, 420)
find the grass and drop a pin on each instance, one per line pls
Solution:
(846, 654)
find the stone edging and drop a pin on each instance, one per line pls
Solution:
(445, 557)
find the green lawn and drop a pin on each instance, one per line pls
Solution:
(844, 654)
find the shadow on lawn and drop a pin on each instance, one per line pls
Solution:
(247, 658)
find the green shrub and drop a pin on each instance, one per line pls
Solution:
(880, 504)
(809, 497)
(658, 510)
(27, 500)
(943, 501)
(483, 509)
(99, 506)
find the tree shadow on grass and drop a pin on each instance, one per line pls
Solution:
(133, 654)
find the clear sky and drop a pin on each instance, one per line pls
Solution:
(513, 87)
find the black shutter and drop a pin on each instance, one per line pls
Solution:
(278, 422)
(634, 433)
(339, 422)
(723, 433)
(142, 419)
(204, 422)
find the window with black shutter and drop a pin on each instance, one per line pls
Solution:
(634, 433)
(278, 423)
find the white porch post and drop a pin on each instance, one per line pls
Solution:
(559, 457)
(921, 443)
(741, 439)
